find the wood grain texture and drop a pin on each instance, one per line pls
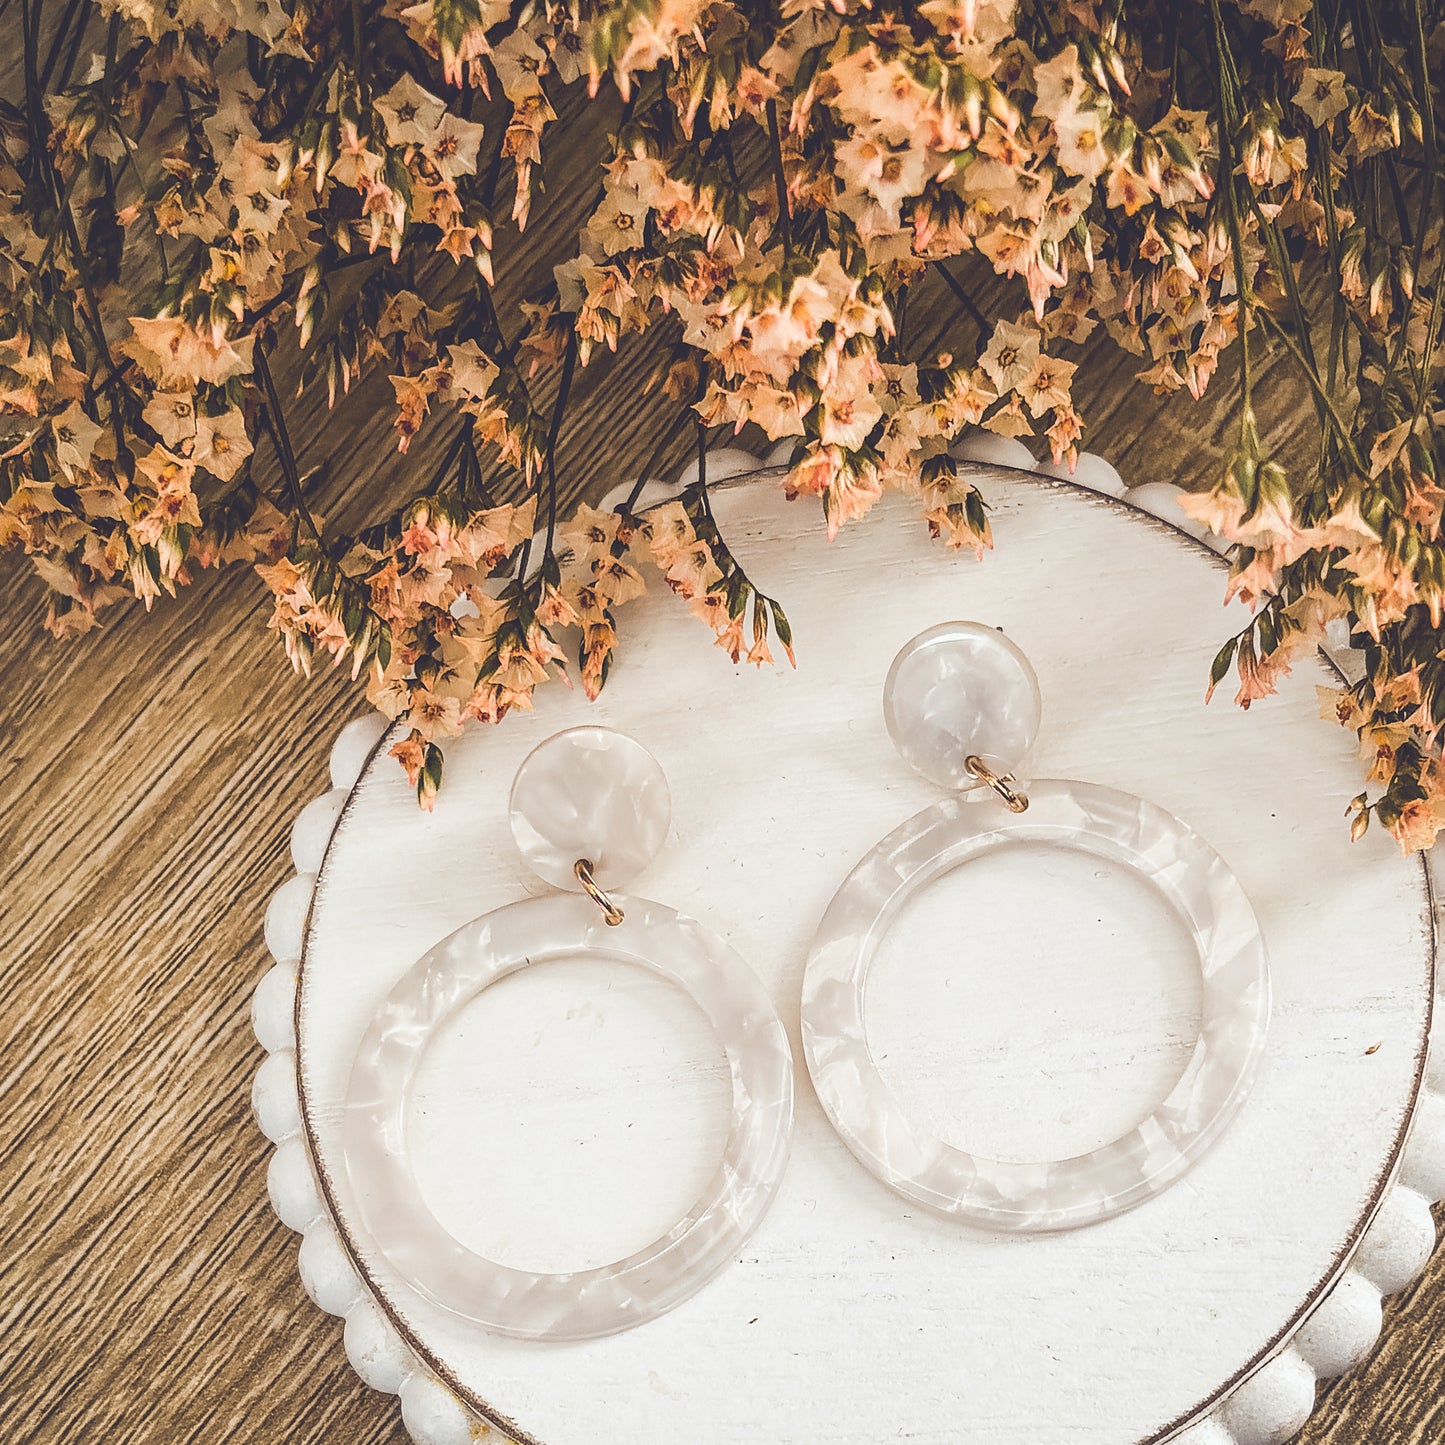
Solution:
(150, 775)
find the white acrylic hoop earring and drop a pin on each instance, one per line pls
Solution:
(589, 808)
(962, 704)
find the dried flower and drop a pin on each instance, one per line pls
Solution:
(777, 183)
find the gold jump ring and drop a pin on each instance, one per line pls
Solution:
(610, 911)
(1005, 785)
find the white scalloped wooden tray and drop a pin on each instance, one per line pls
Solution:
(1206, 1316)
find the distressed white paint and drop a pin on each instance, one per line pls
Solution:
(850, 1319)
(312, 830)
(1162, 499)
(1090, 470)
(990, 449)
(374, 1348)
(273, 1009)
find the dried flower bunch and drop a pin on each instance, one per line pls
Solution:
(217, 180)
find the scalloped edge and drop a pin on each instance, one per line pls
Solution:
(1270, 1406)
(431, 1413)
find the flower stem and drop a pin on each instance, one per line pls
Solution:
(281, 437)
(963, 298)
(780, 181)
(564, 390)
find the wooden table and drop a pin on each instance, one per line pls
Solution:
(151, 773)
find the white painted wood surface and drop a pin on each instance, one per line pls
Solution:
(1028, 1006)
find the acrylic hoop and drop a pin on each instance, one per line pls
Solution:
(580, 1304)
(1065, 1193)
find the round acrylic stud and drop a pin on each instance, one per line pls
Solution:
(590, 793)
(957, 691)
